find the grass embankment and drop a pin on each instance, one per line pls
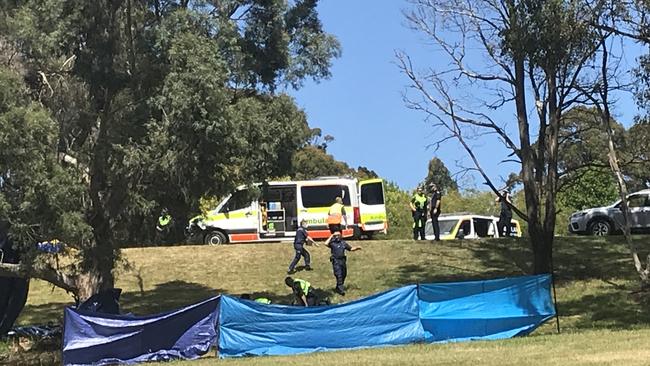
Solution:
(601, 347)
(595, 288)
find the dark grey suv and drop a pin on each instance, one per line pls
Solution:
(609, 219)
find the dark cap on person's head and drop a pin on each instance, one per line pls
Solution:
(288, 281)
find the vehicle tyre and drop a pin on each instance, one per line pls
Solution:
(215, 238)
(600, 227)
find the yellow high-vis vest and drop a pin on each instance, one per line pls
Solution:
(335, 214)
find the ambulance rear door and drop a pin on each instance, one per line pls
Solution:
(372, 206)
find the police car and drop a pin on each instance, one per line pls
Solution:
(469, 226)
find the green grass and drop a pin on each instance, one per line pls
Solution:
(596, 287)
(586, 348)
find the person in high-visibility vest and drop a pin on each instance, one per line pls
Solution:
(261, 300)
(164, 220)
(336, 215)
(419, 212)
(302, 291)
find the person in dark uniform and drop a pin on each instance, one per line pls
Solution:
(13, 291)
(435, 203)
(302, 291)
(505, 217)
(339, 260)
(419, 213)
(302, 238)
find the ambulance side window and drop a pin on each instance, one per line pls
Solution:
(323, 196)
(239, 200)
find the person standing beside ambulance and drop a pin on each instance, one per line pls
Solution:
(336, 215)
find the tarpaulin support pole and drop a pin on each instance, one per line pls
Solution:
(557, 313)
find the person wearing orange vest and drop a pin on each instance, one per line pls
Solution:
(335, 215)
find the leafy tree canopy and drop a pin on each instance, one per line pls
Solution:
(115, 110)
(439, 174)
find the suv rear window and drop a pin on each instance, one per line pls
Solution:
(638, 200)
(324, 196)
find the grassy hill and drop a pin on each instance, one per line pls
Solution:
(595, 285)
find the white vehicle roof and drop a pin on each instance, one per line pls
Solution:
(315, 181)
(458, 216)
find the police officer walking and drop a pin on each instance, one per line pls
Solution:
(336, 215)
(505, 217)
(419, 213)
(301, 238)
(435, 202)
(339, 260)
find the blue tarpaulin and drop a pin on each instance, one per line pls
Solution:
(100, 339)
(248, 328)
(441, 312)
(491, 309)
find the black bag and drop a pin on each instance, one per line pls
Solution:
(106, 302)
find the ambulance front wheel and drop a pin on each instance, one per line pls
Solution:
(215, 238)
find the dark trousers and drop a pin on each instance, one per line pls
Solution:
(419, 221)
(300, 252)
(335, 227)
(504, 223)
(436, 226)
(340, 268)
(312, 300)
(13, 296)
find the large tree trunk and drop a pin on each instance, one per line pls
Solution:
(538, 238)
(106, 194)
(552, 132)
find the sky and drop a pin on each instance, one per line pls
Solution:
(362, 106)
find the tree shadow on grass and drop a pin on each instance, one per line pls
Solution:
(165, 297)
(436, 273)
(610, 310)
(579, 259)
(460, 265)
(162, 298)
(43, 313)
(575, 258)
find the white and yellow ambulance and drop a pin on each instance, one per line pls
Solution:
(280, 206)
